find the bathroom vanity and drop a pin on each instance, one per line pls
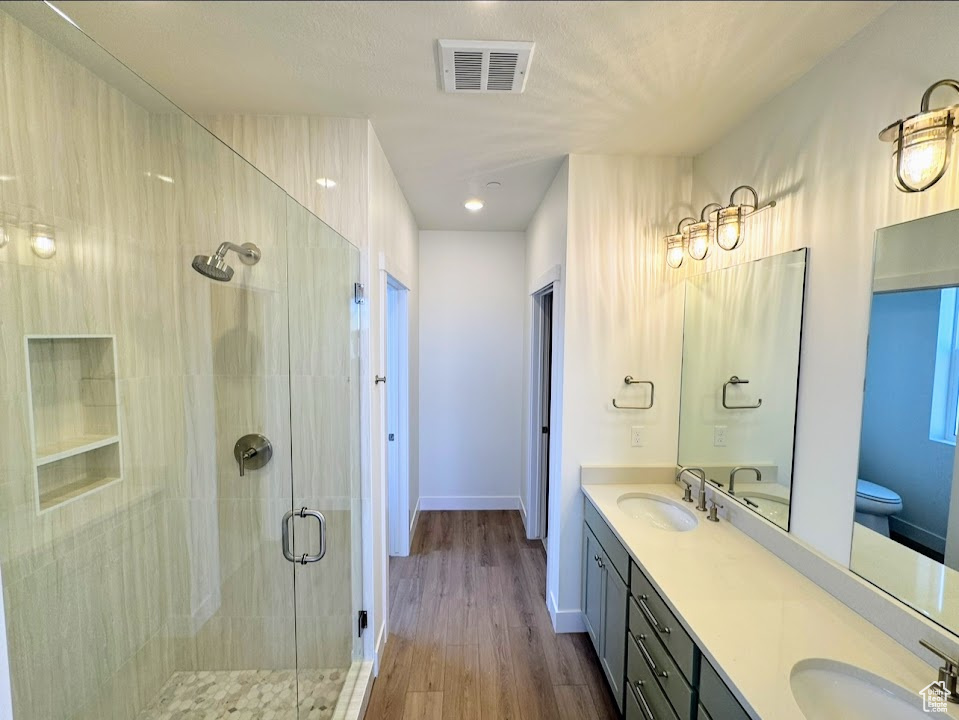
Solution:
(695, 619)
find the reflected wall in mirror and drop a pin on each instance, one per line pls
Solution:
(741, 337)
(906, 534)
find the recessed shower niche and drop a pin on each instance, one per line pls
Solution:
(73, 415)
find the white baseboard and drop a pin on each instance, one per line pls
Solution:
(522, 512)
(414, 521)
(380, 642)
(459, 502)
(565, 621)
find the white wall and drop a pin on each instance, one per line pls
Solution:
(814, 149)
(623, 316)
(472, 308)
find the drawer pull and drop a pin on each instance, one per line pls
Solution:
(646, 656)
(649, 616)
(638, 686)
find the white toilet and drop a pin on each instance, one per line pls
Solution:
(874, 505)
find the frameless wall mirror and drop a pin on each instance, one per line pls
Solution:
(741, 339)
(906, 534)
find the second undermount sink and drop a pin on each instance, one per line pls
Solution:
(827, 690)
(657, 511)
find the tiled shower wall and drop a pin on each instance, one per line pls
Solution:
(177, 566)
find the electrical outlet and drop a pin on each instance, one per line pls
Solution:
(637, 436)
(719, 436)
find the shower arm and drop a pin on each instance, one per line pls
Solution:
(243, 252)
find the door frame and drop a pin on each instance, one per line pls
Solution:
(537, 508)
(396, 455)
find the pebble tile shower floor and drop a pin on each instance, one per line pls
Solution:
(247, 695)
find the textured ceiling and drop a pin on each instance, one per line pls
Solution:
(663, 78)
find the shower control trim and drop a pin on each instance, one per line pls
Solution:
(252, 452)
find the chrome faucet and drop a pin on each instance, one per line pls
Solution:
(732, 476)
(688, 490)
(948, 673)
(701, 505)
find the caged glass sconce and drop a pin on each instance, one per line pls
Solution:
(922, 142)
(676, 244)
(699, 235)
(730, 221)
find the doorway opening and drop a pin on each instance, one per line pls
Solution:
(397, 415)
(541, 376)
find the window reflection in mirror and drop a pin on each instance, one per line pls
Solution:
(906, 530)
(741, 337)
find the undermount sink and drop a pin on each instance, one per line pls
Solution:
(657, 511)
(827, 689)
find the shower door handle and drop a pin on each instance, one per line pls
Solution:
(285, 530)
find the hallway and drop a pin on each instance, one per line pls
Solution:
(470, 636)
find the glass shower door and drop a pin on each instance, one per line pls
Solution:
(324, 367)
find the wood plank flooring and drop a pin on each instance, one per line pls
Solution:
(470, 636)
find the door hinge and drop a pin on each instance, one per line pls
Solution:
(361, 622)
(392, 437)
(545, 430)
(359, 293)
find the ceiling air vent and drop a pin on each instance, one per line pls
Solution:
(479, 66)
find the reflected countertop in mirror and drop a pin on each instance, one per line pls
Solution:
(741, 338)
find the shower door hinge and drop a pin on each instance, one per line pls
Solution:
(359, 293)
(361, 623)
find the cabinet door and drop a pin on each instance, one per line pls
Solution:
(614, 631)
(593, 587)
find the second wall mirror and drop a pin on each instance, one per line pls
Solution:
(906, 534)
(741, 337)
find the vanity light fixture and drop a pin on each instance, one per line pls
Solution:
(676, 244)
(730, 219)
(699, 235)
(922, 142)
(473, 205)
(42, 241)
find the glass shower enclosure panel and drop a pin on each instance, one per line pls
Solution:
(178, 364)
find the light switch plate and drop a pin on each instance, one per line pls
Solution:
(637, 436)
(719, 436)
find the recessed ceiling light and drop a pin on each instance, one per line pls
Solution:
(493, 184)
(473, 205)
(326, 182)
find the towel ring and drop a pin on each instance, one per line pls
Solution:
(736, 381)
(652, 392)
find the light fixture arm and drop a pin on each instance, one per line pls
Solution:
(680, 226)
(927, 96)
(703, 215)
(752, 191)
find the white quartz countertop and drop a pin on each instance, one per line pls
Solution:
(753, 616)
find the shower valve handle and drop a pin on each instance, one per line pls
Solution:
(252, 452)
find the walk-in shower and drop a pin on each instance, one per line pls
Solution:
(143, 577)
(214, 266)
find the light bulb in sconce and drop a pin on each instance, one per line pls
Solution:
(922, 142)
(325, 182)
(699, 235)
(731, 220)
(42, 242)
(676, 244)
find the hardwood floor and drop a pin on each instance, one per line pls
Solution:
(470, 636)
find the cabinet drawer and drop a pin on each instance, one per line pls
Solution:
(669, 631)
(718, 700)
(644, 698)
(657, 660)
(611, 545)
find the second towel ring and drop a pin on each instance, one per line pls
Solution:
(652, 392)
(736, 381)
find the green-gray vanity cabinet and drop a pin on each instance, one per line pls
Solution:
(654, 668)
(605, 577)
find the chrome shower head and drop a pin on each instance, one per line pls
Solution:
(215, 267)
